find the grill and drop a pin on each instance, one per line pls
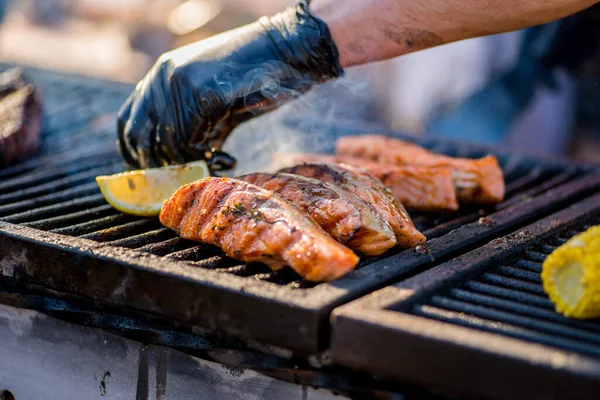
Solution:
(58, 234)
(481, 324)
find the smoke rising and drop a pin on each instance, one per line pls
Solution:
(309, 123)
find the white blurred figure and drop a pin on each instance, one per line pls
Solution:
(418, 84)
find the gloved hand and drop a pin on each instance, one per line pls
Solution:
(194, 96)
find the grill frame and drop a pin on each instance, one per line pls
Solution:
(461, 360)
(292, 318)
(295, 319)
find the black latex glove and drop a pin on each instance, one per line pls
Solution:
(194, 96)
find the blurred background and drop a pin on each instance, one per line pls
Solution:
(491, 90)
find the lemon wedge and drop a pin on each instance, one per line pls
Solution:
(143, 192)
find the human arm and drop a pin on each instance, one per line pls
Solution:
(367, 31)
(191, 100)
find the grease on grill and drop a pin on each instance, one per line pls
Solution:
(487, 221)
(421, 249)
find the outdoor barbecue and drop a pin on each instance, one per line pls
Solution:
(143, 259)
(54, 215)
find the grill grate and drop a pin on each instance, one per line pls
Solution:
(510, 299)
(55, 194)
(495, 290)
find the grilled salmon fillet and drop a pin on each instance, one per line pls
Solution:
(477, 181)
(253, 224)
(346, 217)
(371, 190)
(418, 188)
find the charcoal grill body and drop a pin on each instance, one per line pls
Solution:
(104, 365)
(57, 233)
(64, 251)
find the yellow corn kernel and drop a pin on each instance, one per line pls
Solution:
(571, 276)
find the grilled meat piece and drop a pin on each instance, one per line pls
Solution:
(477, 181)
(252, 224)
(418, 188)
(20, 115)
(371, 190)
(347, 218)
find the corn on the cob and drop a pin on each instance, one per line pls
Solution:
(571, 276)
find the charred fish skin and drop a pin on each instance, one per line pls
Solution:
(371, 190)
(346, 217)
(252, 224)
(416, 187)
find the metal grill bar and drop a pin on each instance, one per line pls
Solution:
(442, 228)
(512, 318)
(70, 133)
(62, 209)
(524, 181)
(61, 158)
(195, 253)
(157, 235)
(216, 262)
(122, 231)
(520, 274)
(94, 225)
(503, 304)
(485, 310)
(68, 185)
(520, 308)
(474, 321)
(80, 138)
(85, 189)
(45, 178)
(74, 217)
(512, 294)
(547, 185)
(512, 283)
(243, 270)
(528, 264)
(166, 247)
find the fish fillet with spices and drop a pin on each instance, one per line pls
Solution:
(346, 217)
(253, 224)
(418, 188)
(479, 181)
(371, 190)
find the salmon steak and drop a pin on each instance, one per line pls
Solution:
(253, 224)
(372, 191)
(415, 187)
(346, 217)
(479, 181)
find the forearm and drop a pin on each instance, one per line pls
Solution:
(373, 30)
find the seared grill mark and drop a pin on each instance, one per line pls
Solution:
(371, 191)
(220, 199)
(346, 217)
(255, 225)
